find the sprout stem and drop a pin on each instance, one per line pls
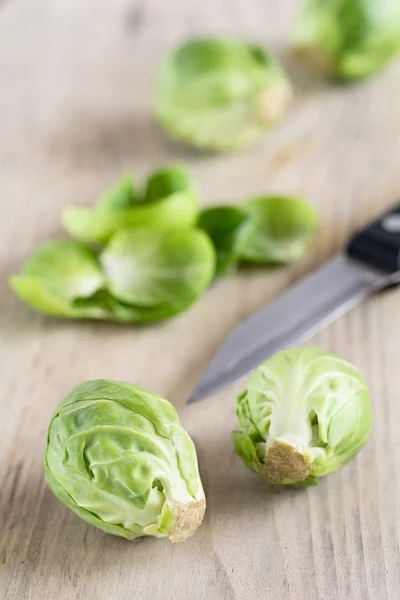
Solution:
(283, 462)
(188, 518)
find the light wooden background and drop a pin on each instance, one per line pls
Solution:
(76, 81)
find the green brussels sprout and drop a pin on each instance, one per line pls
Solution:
(58, 276)
(278, 231)
(220, 94)
(305, 414)
(170, 199)
(119, 458)
(152, 268)
(223, 224)
(350, 39)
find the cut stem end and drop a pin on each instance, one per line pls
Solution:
(274, 102)
(188, 518)
(284, 463)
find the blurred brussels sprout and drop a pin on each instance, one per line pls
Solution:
(223, 224)
(220, 94)
(350, 39)
(57, 276)
(278, 231)
(119, 458)
(152, 268)
(305, 414)
(170, 199)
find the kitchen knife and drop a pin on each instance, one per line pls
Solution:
(370, 263)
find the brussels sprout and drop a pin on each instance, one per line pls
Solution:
(170, 199)
(153, 268)
(119, 458)
(57, 276)
(305, 414)
(350, 39)
(278, 231)
(220, 94)
(223, 224)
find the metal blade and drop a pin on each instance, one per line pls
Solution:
(329, 292)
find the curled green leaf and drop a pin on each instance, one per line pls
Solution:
(305, 413)
(119, 458)
(350, 39)
(223, 224)
(278, 230)
(170, 200)
(152, 267)
(220, 94)
(129, 313)
(57, 275)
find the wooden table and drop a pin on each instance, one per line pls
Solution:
(76, 84)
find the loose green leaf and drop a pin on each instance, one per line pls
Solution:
(151, 267)
(305, 413)
(170, 200)
(119, 458)
(350, 39)
(220, 94)
(58, 274)
(120, 196)
(278, 231)
(128, 313)
(223, 224)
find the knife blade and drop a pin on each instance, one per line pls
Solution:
(370, 263)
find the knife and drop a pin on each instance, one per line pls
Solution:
(370, 263)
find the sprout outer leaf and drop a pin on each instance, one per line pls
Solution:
(278, 230)
(56, 275)
(170, 200)
(151, 267)
(223, 224)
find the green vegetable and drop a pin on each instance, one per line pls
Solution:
(153, 268)
(57, 276)
(147, 314)
(220, 94)
(119, 458)
(305, 414)
(278, 231)
(349, 39)
(224, 224)
(170, 199)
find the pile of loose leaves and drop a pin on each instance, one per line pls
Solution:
(141, 256)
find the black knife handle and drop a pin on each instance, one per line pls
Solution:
(379, 244)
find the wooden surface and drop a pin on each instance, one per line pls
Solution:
(76, 83)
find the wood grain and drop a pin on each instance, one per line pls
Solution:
(76, 83)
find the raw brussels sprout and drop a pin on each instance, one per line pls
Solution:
(278, 231)
(153, 268)
(350, 39)
(305, 414)
(119, 458)
(224, 224)
(57, 276)
(170, 199)
(220, 94)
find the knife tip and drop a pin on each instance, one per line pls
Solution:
(194, 397)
